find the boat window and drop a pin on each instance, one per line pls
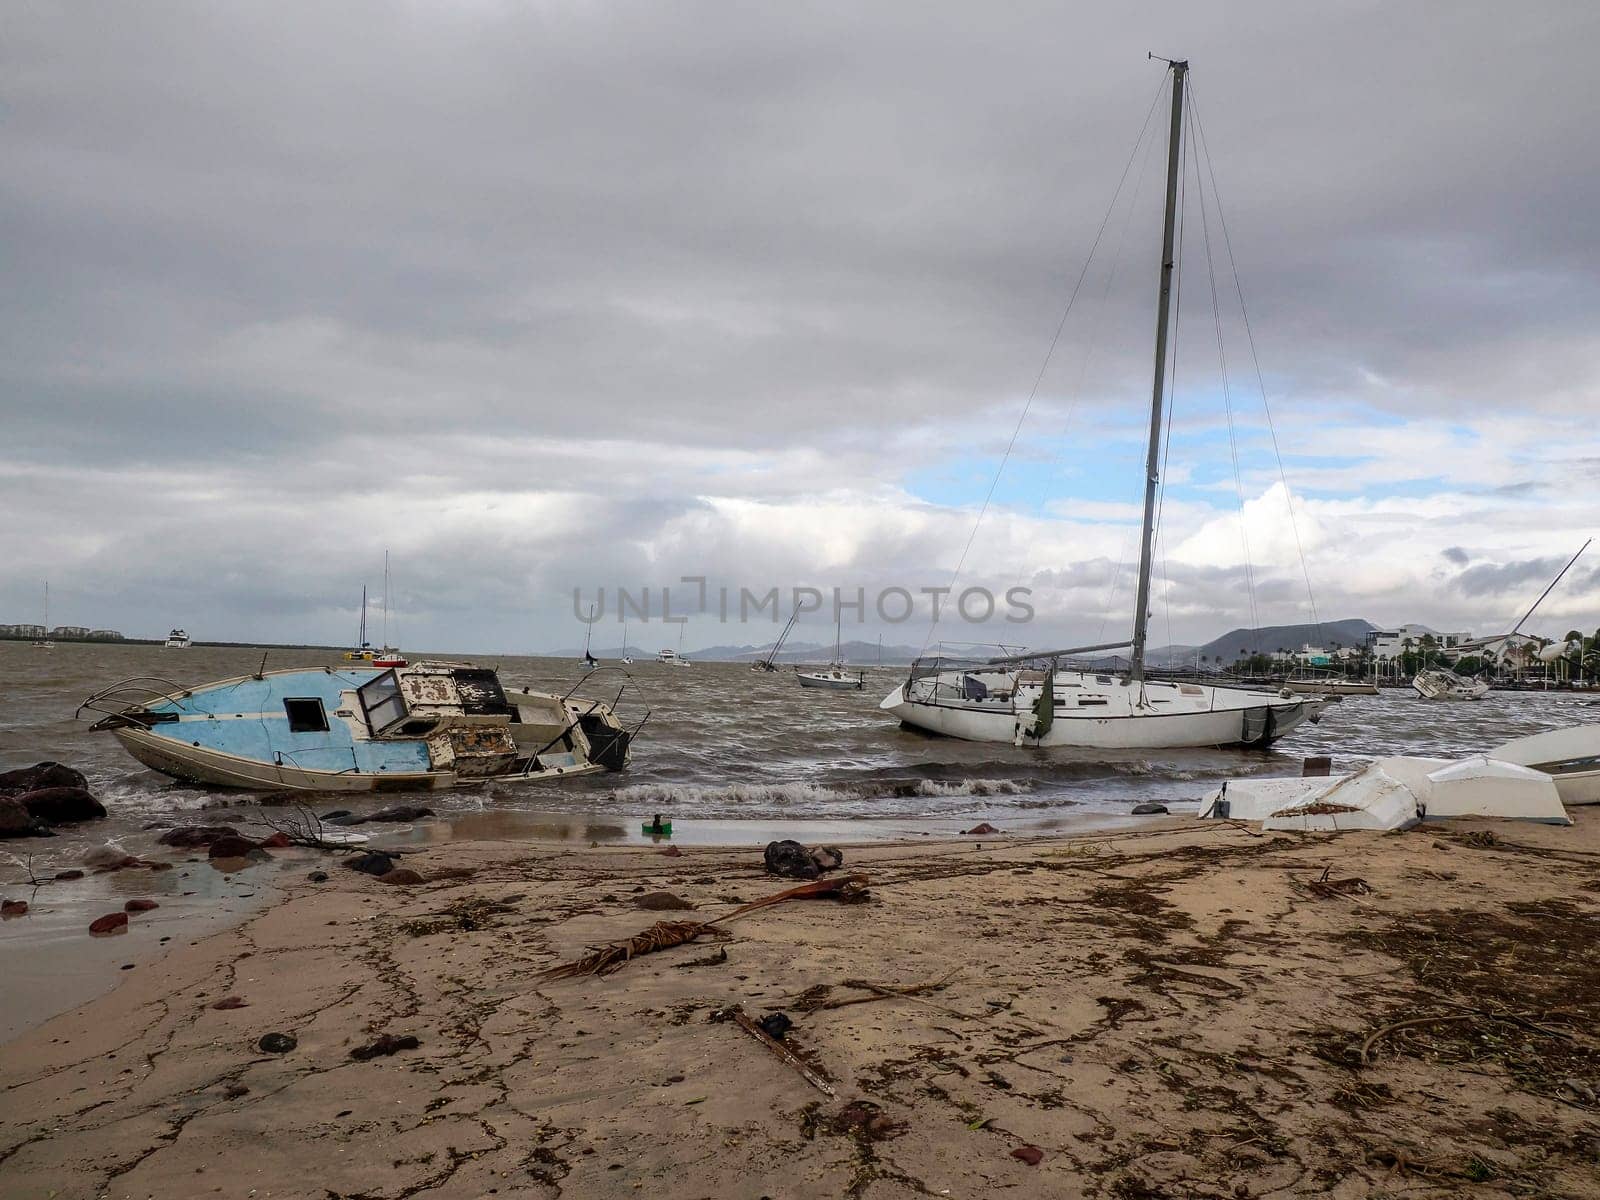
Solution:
(381, 701)
(306, 715)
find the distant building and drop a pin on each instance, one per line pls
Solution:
(70, 631)
(105, 635)
(1388, 644)
(21, 631)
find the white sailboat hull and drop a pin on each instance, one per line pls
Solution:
(835, 681)
(1095, 711)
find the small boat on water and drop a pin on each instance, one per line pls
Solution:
(1436, 683)
(178, 640)
(833, 676)
(362, 651)
(43, 642)
(673, 658)
(427, 726)
(626, 659)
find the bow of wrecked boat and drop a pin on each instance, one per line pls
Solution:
(427, 726)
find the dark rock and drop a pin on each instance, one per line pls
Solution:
(189, 836)
(984, 827)
(159, 866)
(277, 841)
(827, 858)
(1148, 810)
(61, 805)
(17, 822)
(139, 906)
(235, 846)
(662, 902)
(401, 875)
(234, 1090)
(228, 1002)
(116, 922)
(373, 862)
(1031, 1155)
(776, 1025)
(384, 1046)
(13, 908)
(40, 775)
(671, 852)
(791, 860)
(334, 814)
(277, 1043)
(318, 877)
(401, 813)
(72, 874)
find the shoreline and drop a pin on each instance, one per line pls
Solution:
(53, 965)
(1172, 1010)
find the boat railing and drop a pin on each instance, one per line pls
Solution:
(114, 703)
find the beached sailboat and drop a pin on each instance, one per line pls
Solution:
(43, 641)
(427, 726)
(833, 677)
(1030, 699)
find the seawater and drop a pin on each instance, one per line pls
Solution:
(723, 746)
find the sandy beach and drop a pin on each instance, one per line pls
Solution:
(1177, 1011)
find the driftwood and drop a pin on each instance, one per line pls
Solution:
(813, 1000)
(783, 1053)
(664, 935)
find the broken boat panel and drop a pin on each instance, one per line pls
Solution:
(430, 725)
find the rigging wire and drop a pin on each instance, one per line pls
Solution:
(1244, 312)
(1049, 353)
(1227, 404)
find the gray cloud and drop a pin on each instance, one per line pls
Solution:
(517, 290)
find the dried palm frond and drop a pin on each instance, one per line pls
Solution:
(664, 935)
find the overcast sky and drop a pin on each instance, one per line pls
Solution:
(544, 296)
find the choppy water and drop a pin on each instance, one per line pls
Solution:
(724, 744)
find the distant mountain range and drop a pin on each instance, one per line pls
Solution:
(1236, 644)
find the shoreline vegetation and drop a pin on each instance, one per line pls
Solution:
(1183, 1010)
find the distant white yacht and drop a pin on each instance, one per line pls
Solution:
(674, 658)
(178, 640)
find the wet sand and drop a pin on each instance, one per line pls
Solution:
(1174, 1011)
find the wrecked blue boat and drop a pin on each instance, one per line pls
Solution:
(425, 726)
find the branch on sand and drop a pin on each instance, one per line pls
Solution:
(664, 935)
